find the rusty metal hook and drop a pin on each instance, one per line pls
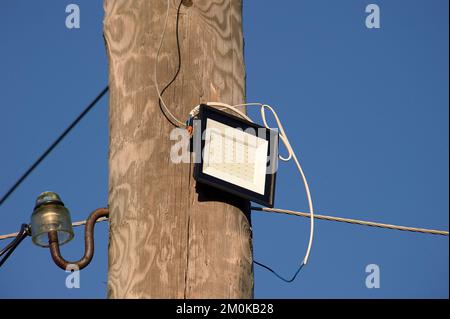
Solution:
(88, 242)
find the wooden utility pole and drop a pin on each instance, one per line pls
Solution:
(171, 238)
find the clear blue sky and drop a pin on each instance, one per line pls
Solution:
(366, 110)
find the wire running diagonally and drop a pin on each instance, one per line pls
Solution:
(53, 146)
(354, 221)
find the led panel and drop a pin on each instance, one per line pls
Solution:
(238, 157)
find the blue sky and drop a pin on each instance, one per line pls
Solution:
(366, 111)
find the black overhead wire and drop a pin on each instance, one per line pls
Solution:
(52, 146)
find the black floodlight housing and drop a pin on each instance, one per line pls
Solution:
(237, 156)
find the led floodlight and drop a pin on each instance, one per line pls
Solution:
(237, 156)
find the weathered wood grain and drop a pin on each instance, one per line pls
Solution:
(171, 238)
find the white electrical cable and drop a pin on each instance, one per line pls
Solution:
(291, 154)
(155, 72)
(305, 182)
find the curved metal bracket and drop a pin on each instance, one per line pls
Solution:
(88, 242)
